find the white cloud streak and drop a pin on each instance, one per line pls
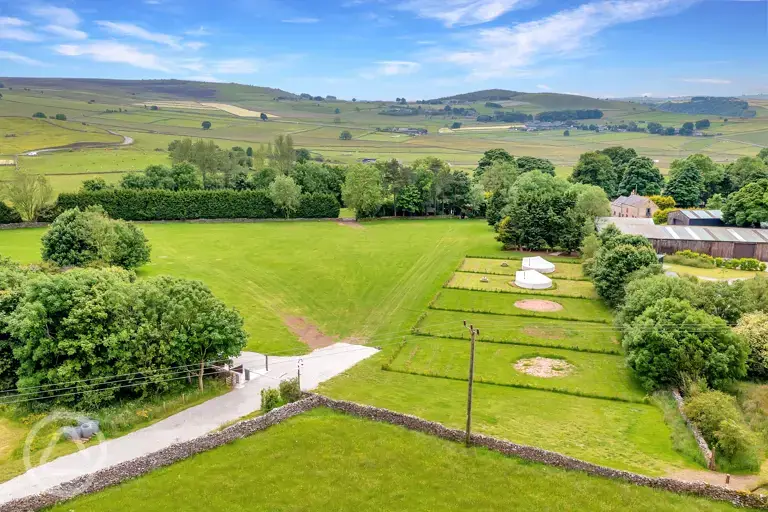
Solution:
(66, 32)
(15, 29)
(21, 59)
(461, 12)
(391, 68)
(135, 31)
(61, 16)
(711, 81)
(112, 51)
(508, 50)
(301, 20)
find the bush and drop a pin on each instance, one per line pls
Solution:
(613, 266)
(318, 206)
(691, 259)
(660, 216)
(81, 238)
(289, 390)
(8, 215)
(663, 202)
(644, 293)
(721, 423)
(672, 342)
(270, 399)
(142, 205)
(753, 328)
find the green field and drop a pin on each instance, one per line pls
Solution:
(543, 332)
(505, 284)
(504, 304)
(89, 109)
(494, 266)
(327, 461)
(595, 375)
(373, 284)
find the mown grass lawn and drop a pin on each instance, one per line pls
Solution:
(712, 273)
(494, 266)
(369, 281)
(323, 460)
(561, 287)
(504, 304)
(545, 332)
(596, 375)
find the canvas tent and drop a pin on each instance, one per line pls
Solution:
(532, 280)
(538, 264)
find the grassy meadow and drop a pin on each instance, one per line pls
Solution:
(373, 284)
(92, 110)
(324, 460)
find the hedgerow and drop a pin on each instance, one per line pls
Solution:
(145, 205)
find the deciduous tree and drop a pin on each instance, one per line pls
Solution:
(285, 193)
(363, 190)
(28, 193)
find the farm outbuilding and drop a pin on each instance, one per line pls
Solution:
(717, 241)
(695, 218)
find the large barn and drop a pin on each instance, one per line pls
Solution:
(695, 218)
(717, 241)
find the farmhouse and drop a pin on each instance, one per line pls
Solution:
(717, 241)
(633, 206)
(695, 218)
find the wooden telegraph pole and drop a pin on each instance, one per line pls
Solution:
(472, 333)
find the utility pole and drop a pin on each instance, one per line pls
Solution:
(300, 364)
(472, 333)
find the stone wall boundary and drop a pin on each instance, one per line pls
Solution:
(700, 441)
(139, 466)
(120, 473)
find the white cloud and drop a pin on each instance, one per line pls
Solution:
(236, 66)
(566, 34)
(21, 59)
(461, 12)
(544, 87)
(131, 30)
(67, 32)
(199, 32)
(61, 16)
(112, 51)
(714, 81)
(301, 20)
(391, 68)
(15, 29)
(195, 45)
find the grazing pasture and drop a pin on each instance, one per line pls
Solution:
(324, 460)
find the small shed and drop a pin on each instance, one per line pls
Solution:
(538, 264)
(695, 218)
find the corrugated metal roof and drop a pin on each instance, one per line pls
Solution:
(702, 214)
(703, 233)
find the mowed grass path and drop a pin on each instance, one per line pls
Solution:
(369, 282)
(595, 375)
(546, 332)
(323, 460)
(504, 304)
(505, 284)
(494, 266)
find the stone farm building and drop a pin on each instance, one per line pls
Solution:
(633, 206)
(717, 241)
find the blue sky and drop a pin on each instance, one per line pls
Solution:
(381, 49)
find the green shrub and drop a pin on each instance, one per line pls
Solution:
(8, 215)
(753, 328)
(289, 390)
(749, 264)
(318, 206)
(660, 216)
(722, 424)
(270, 399)
(194, 204)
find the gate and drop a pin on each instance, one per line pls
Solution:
(744, 250)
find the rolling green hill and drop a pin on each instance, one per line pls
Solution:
(544, 100)
(154, 89)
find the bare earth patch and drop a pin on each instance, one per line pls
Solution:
(315, 338)
(540, 306)
(350, 223)
(553, 333)
(544, 367)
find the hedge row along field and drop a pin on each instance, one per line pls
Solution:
(494, 266)
(145, 205)
(501, 284)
